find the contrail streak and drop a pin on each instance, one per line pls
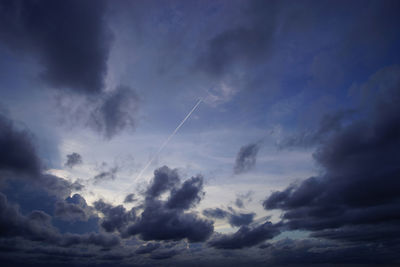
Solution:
(168, 139)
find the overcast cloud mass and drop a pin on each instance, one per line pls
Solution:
(291, 157)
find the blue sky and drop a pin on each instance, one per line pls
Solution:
(298, 114)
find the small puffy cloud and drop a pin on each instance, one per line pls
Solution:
(73, 159)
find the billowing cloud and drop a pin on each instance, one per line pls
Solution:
(359, 187)
(70, 39)
(188, 195)
(168, 220)
(245, 237)
(73, 208)
(115, 218)
(73, 159)
(164, 179)
(246, 158)
(37, 226)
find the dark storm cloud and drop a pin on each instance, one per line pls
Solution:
(160, 223)
(55, 185)
(115, 112)
(188, 195)
(37, 226)
(245, 237)
(234, 218)
(70, 39)
(106, 175)
(73, 159)
(68, 211)
(130, 198)
(306, 252)
(115, 218)
(17, 152)
(168, 220)
(239, 219)
(246, 158)
(164, 179)
(360, 187)
(72, 209)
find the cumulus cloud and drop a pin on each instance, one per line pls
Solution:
(359, 187)
(37, 226)
(70, 39)
(164, 179)
(73, 159)
(168, 220)
(245, 237)
(188, 195)
(115, 218)
(246, 158)
(73, 208)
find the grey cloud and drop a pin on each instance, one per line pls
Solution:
(147, 248)
(245, 237)
(160, 223)
(115, 111)
(68, 211)
(359, 188)
(105, 175)
(70, 39)
(246, 158)
(17, 152)
(241, 198)
(164, 179)
(234, 218)
(37, 226)
(167, 220)
(188, 195)
(163, 254)
(215, 213)
(73, 159)
(329, 125)
(243, 44)
(130, 198)
(115, 218)
(239, 219)
(72, 209)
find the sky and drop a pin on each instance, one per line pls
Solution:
(199, 133)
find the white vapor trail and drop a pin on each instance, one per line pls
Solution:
(168, 139)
